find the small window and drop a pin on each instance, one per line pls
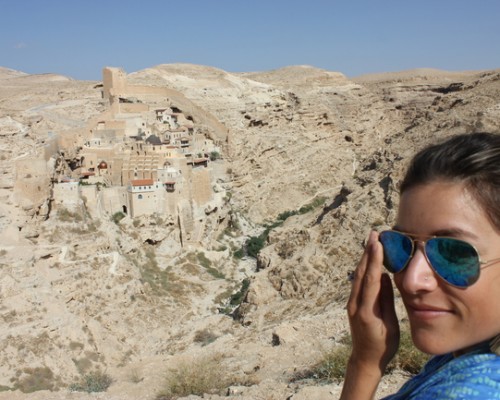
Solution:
(139, 197)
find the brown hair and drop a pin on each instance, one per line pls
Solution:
(473, 159)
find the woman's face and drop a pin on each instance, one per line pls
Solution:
(444, 318)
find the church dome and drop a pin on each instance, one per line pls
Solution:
(103, 165)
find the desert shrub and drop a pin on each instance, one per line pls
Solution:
(330, 367)
(117, 217)
(153, 275)
(302, 210)
(135, 376)
(65, 215)
(195, 377)
(408, 358)
(286, 214)
(239, 296)
(239, 254)
(92, 382)
(216, 273)
(204, 337)
(230, 301)
(203, 260)
(214, 155)
(255, 244)
(207, 264)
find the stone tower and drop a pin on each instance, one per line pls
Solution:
(114, 81)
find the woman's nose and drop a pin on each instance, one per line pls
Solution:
(418, 275)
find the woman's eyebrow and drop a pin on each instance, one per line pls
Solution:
(451, 232)
(455, 232)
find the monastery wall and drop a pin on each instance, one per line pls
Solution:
(146, 203)
(185, 213)
(104, 137)
(132, 108)
(112, 200)
(133, 123)
(111, 124)
(67, 195)
(89, 197)
(201, 186)
(115, 173)
(171, 201)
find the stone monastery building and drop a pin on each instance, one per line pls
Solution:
(145, 155)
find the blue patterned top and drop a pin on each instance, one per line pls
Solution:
(475, 375)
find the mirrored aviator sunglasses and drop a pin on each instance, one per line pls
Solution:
(455, 261)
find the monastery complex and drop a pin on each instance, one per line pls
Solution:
(150, 152)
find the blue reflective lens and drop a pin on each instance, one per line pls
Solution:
(398, 249)
(456, 261)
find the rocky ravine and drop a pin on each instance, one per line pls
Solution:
(80, 293)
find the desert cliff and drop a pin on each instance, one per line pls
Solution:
(309, 162)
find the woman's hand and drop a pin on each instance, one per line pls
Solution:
(374, 325)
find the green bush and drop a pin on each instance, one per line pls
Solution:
(239, 254)
(231, 302)
(214, 155)
(93, 382)
(239, 296)
(255, 244)
(117, 217)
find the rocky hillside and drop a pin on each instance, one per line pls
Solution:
(313, 164)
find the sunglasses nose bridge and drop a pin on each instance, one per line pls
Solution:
(418, 244)
(421, 245)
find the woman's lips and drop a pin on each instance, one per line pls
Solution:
(423, 311)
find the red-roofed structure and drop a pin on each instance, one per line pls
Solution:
(141, 182)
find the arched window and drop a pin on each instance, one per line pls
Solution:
(139, 197)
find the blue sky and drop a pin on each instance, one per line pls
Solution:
(78, 38)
